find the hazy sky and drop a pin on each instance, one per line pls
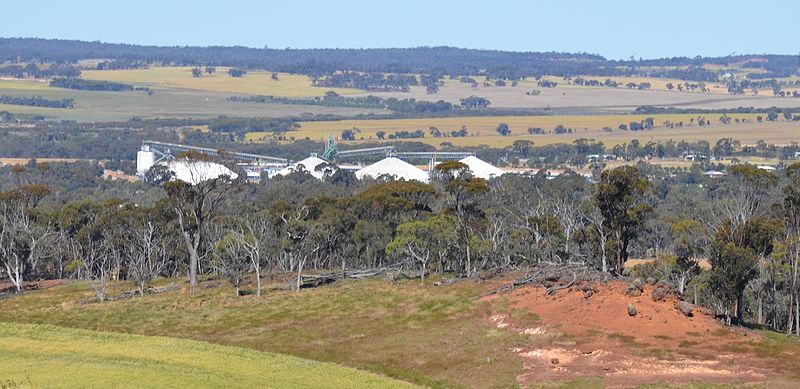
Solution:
(615, 29)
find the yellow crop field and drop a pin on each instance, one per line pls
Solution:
(482, 130)
(55, 357)
(254, 83)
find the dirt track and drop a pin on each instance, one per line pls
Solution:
(595, 337)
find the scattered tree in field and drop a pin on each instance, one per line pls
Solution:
(503, 129)
(473, 102)
(560, 129)
(210, 70)
(237, 73)
(460, 133)
(197, 72)
(350, 134)
(547, 83)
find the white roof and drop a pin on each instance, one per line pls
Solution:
(195, 172)
(394, 167)
(310, 165)
(767, 168)
(481, 168)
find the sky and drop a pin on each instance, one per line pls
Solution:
(616, 29)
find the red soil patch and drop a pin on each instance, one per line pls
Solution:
(595, 337)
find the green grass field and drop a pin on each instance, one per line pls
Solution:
(483, 129)
(55, 357)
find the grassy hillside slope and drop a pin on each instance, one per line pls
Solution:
(433, 336)
(54, 357)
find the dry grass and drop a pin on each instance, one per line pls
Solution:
(434, 336)
(255, 83)
(483, 129)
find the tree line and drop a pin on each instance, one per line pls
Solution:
(37, 101)
(745, 225)
(92, 85)
(31, 70)
(333, 99)
(366, 81)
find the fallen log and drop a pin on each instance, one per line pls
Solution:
(168, 288)
(538, 274)
(315, 280)
(553, 289)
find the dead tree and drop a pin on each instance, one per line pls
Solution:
(23, 242)
(146, 254)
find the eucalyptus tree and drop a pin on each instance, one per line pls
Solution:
(195, 206)
(689, 238)
(424, 241)
(791, 213)
(620, 197)
(464, 198)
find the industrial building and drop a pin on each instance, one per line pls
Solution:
(395, 165)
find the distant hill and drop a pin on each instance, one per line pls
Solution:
(422, 60)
